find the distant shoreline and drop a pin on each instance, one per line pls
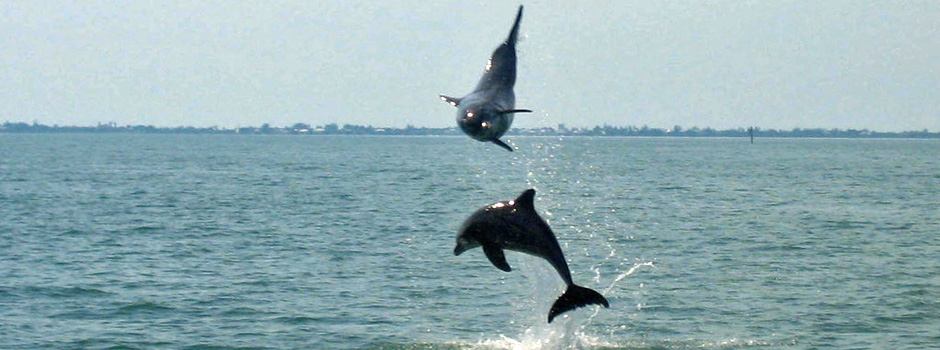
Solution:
(561, 130)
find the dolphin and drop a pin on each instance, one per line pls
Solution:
(487, 112)
(514, 225)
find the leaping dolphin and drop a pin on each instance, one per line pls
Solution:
(487, 112)
(514, 225)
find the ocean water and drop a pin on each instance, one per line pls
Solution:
(289, 242)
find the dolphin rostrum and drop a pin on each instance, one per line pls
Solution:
(514, 225)
(487, 112)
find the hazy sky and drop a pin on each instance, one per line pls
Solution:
(723, 64)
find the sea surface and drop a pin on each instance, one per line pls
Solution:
(323, 242)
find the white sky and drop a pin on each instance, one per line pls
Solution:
(723, 64)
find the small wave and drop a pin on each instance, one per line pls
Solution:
(907, 226)
(782, 202)
(65, 292)
(297, 320)
(240, 311)
(906, 318)
(674, 188)
(144, 307)
(81, 313)
(845, 224)
(73, 232)
(148, 228)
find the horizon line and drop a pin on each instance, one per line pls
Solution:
(561, 130)
(559, 126)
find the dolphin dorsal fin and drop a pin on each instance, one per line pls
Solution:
(526, 199)
(452, 100)
(496, 256)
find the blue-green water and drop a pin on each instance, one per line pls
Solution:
(242, 242)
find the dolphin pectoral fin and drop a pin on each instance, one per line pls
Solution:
(497, 257)
(502, 144)
(452, 100)
(575, 296)
(511, 111)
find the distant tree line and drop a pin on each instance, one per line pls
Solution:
(561, 130)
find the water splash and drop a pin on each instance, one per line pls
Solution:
(524, 343)
(627, 274)
(568, 331)
(619, 278)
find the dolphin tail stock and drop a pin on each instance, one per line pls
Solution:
(574, 297)
(514, 33)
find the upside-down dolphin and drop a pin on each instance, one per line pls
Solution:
(486, 113)
(514, 225)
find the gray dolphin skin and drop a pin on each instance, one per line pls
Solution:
(487, 112)
(515, 225)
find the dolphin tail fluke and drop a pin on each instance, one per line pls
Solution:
(514, 33)
(502, 144)
(575, 297)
